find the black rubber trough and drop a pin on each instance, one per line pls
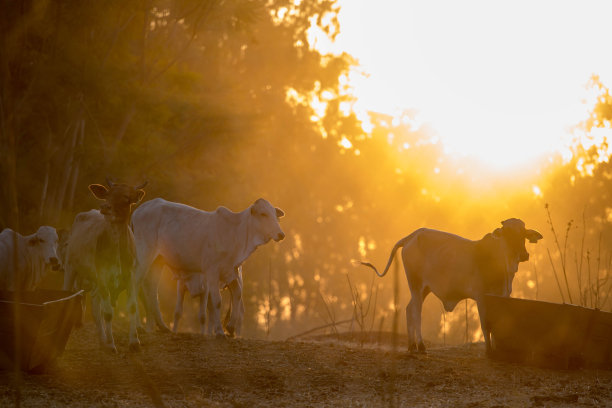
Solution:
(35, 326)
(548, 334)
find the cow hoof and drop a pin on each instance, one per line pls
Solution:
(412, 347)
(231, 332)
(220, 336)
(164, 329)
(421, 348)
(141, 330)
(135, 348)
(110, 348)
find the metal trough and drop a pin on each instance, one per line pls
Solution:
(549, 334)
(34, 330)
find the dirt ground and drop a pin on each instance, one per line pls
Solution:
(190, 370)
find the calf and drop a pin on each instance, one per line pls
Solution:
(100, 257)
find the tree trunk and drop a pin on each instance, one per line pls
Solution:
(8, 148)
(66, 173)
(45, 187)
(75, 172)
(12, 216)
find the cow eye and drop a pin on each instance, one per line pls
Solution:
(264, 215)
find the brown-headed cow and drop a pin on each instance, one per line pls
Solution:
(455, 268)
(100, 257)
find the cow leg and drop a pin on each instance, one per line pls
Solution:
(417, 326)
(410, 328)
(143, 301)
(484, 326)
(102, 312)
(413, 319)
(178, 308)
(236, 311)
(212, 283)
(208, 321)
(132, 307)
(147, 274)
(149, 287)
(96, 314)
(72, 283)
(107, 315)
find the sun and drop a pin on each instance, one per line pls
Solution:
(501, 83)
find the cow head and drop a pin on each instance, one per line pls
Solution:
(500, 253)
(44, 244)
(513, 231)
(118, 199)
(266, 221)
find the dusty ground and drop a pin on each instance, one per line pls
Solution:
(189, 370)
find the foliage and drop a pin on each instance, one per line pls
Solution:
(221, 102)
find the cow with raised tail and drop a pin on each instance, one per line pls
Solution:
(455, 268)
(24, 266)
(204, 249)
(100, 257)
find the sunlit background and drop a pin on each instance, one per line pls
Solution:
(503, 83)
(362, 120)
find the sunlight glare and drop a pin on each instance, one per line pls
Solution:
(500, 82)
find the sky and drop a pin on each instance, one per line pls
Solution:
(502, 82)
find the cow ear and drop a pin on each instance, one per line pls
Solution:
(498, 233)
(279, 213)
(533, 236)
(99, 191)
(33, 241)
(253, 209)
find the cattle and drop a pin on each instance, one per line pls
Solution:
(192, 241)
(100, 258)
(24, 266)
(194, 284)
(455, 268)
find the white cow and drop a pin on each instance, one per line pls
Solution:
(100, 258)
(35, 253)
(454, 268)
(191, 242)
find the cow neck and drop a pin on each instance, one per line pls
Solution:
(244, 230)
(116, 224)
(119, 229)
(510, 266)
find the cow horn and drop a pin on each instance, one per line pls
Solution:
(143, 185)
(109, 181)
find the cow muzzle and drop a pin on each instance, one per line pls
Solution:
(524, 257)
(280, 236)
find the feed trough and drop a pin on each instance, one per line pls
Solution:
(549, 334)
(34, 330)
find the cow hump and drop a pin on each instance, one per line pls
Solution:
(227, 215)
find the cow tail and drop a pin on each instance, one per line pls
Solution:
(398, 245)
